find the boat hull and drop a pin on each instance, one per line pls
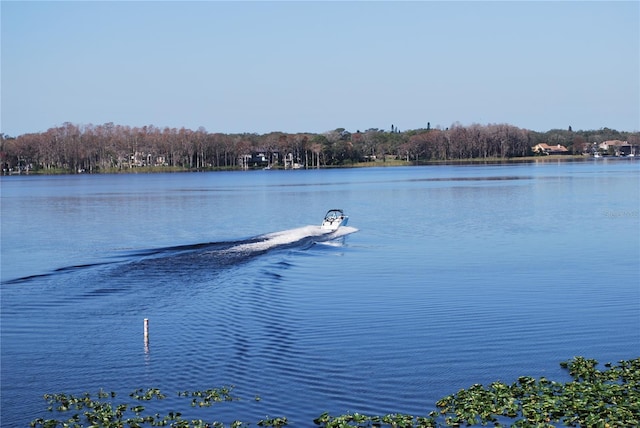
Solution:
(335, 224)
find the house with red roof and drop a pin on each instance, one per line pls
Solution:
(544, 148)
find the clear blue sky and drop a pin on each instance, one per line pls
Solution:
(316, 66)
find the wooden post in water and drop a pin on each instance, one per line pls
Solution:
(146, 331)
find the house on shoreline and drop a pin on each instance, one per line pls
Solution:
(261, 159)
(618, 148)
(545, 149)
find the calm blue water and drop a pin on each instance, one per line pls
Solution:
(447, 276)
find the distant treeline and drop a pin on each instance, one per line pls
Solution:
(109, 147)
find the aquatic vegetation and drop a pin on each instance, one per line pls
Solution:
(208, 397)
(102, 411)
(395, 420)
(594, 397)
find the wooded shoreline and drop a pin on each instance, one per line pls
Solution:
(109, 148)
(372, 164)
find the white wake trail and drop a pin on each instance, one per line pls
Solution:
(285, 237)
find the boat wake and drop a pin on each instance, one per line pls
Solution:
(204, 257)
(292, 236)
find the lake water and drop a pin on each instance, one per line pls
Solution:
(446, 276)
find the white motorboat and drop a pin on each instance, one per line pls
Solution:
(334, 219)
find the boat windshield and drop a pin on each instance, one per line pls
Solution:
(333, 214)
